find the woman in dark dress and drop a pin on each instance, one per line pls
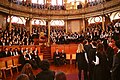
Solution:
(81, 59)
(101, 69)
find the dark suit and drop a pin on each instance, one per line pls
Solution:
(116, 67)
(91, 58)
(63, 58)
(87, 48)
(37, 58)
(45, 75)
(22, 60)
(56, 58)
(6, 54)
(32, 60)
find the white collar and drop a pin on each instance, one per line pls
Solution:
(118, 50)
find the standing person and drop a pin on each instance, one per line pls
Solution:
(116, 63)
(56, 57)
(45, 74)
(101, 70)
(91, 57)
(81, 58)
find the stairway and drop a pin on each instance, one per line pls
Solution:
(46, 53)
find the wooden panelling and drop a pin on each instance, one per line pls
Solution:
(69, 49)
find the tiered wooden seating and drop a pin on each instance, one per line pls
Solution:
(8, 63)
(70, 50)
(4, 67)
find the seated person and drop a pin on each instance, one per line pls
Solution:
(56, 57)
(6, 53)
(36, 57)
(45, 74)
(30, 59)
(22, 59)
(63, 57)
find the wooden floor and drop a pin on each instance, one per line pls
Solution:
(70, 71)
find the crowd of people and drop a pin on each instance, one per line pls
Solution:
(39, 6)
(20, 36)
(45, 74)
(95, 33)
(98, 59)
(16, 36)
(54, 7)
(27, 55)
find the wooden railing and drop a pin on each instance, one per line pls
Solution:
(8, 58)
(100, 9)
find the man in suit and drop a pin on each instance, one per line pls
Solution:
(45, 74)
(6, 53)
(63, 57)
(91, 58)
(11, 52)
(116, 64)
(56, 57)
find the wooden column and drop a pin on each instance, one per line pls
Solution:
(10, 24)
(103, 22)
(29, 25)
(84, 4)
(48, 3)
(48, 24)
(30, 22)
(66, 26)
(83, 25)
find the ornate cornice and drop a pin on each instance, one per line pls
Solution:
(19, 10)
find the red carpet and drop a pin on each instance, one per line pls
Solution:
(72, 76)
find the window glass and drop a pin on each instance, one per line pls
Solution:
(60, 2)
(57, 23)
(40, 1)
(34, 1)
(53, 2)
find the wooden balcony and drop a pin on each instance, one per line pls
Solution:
(19, 10)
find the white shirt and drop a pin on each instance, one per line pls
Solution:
(97, 60)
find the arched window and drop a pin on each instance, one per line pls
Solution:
(38, 22)
(60, 2)
(94, 19)
(19, 20)
(56, 2)
(57, 23)
(90, 0)
(53, 2)
(34, 1)
(41, 2)
(115, 15)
